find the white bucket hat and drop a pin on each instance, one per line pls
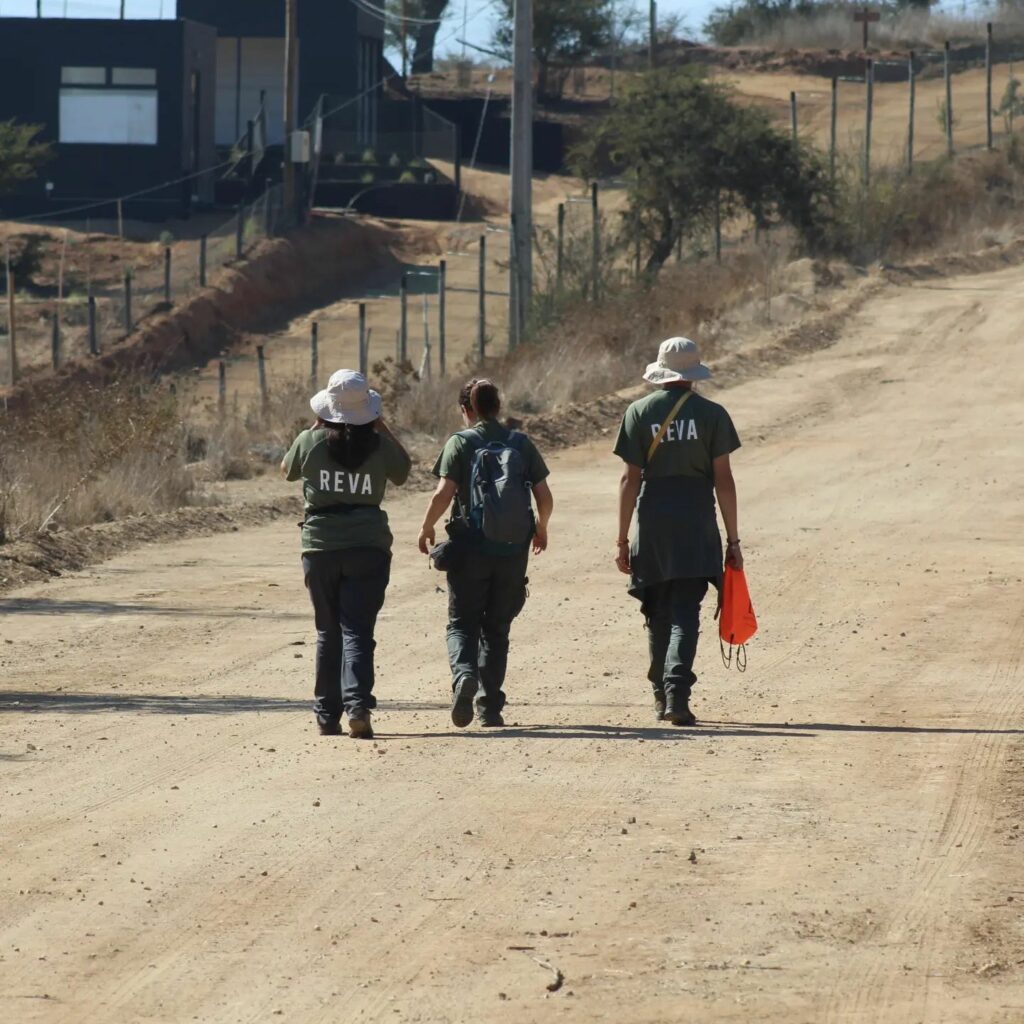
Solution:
(346, 399)
(678, 359)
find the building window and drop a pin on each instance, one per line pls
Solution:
(115, 106)
(133, 76)
(83, 76)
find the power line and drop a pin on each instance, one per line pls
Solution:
(385, 15)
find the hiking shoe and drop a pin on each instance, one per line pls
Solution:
(659, 705)
(359, 727)
(463, 693)
(490, 720)
(329, 727)
(677, 712)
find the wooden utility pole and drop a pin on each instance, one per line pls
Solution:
(912, 83)
(291, 19)
(988, 85)
(865, 18)
(869, 101)
(652, 40)
(521, 206)
(12, 331)
(947, 72)
(832, 130)
(403, 31)
(792, 117)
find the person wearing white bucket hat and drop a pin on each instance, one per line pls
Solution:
(345, 462)
(675, 445)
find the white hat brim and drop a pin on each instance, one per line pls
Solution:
(357, 416)
(658, 374)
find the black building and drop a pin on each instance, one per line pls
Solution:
(128, 105)
(340, 51)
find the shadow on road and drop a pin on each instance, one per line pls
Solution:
(168, 704)
(582, 731)
(48, 606)
(866, 727)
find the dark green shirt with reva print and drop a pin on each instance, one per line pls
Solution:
(456, 463)
(701, 431)
(326, 483)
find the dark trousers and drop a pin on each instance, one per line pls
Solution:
(673, 626)
(347, 590)
(484, 595)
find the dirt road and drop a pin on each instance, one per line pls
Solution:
(840, 841)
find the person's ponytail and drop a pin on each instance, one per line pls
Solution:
(481, 397)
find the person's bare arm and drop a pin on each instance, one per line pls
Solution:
(545, 506)
(725, 490)
(439, 503)
(629, 490)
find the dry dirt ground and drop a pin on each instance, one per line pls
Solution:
(839, 841)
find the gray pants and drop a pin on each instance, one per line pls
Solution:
(484, 596)
(673, 626)
(347, 590)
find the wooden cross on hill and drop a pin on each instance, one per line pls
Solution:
(866, 17)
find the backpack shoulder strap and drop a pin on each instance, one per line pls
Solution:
(664, 427)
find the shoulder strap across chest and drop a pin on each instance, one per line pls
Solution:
(664, 427)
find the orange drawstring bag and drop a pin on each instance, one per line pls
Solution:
(737, 623)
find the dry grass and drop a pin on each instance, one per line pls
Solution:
(100, 454)
(834, 29)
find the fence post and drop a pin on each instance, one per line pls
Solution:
(442, 311)
(425, 362)
(250, 164)
(869, 83)
(12, 328)
(595, 230)
(314, 352)
(55, 339)
(261, 367)
(364, 358)
(167, 274)
(268, 210)
(988, 84)
(202, 262)
(481, 313)
(912, 82)
(239, 228)
(718, 227)
(792, 115)
(560, 251)
(129, 323)
(222, 386)
(403, 323)
(832, 130)
(949, 99)
(94, 337)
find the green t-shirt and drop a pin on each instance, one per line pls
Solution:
(456, 463)
(326, 483)
(700, 433)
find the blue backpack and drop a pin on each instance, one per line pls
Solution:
(499, 493)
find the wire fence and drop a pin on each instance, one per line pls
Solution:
(106, 285)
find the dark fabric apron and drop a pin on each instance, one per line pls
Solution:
(677, 533)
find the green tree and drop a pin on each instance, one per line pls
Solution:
(21, 154)
(565, 32)
(685, 145)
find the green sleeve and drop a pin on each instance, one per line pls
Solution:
(629, 444)
(536, 467)
(449, 462)
(724, 439)
(396, 462)
(296, 456)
